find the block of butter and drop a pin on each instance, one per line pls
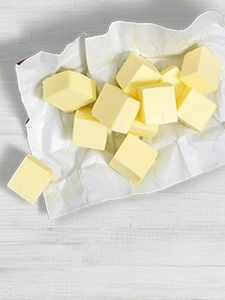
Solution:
(171, 74)
(143, 130)
(133, 159)
(158, 103)
(194, 109)
(88, 131)
(201, 70)
(136, 71)
(30, 178)
(116, 109)
(69, 90)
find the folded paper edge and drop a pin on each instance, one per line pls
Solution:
(210, 11)
(130, 22)
(19, 63)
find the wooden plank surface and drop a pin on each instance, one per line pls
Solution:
(170, 245)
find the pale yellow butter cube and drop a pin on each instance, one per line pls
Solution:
(194, 109)
(116, 109)
(158, 104)
(201, 70)
(30, 178)
(88, 131)
(133, 159)
(171, 74)
(69, 90)
(136, 71)
(143, 130)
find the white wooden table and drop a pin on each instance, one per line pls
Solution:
(170, 245)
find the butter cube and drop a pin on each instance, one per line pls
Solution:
(116, 109)
(194, 109)
(88, 131)
(69, 90)
(136, 71)
(201, 70)
(143, 130)
(133, 159)
(30, 178)
(158, 104)
(171, 74)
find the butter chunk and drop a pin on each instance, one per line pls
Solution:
(194, 109)
(116, 109)
(201, 70)
(136, 71)
(171, 74)
(30, 178)
(143, 130)
(69, 90)
(88, 131)
(133, 159)
(158, 104)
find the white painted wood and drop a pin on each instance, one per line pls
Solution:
(170, 245)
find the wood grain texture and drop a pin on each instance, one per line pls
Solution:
(167, 246)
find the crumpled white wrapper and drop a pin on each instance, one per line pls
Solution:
(82, 176)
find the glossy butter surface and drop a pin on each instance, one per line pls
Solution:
(194, 109)
(139, 128)
(201, 70)
(133, 159)
(69, 90)
(171, 74)
(30, 178)
(136, 71)
(158, 104)
(88, 131)
(116, 109)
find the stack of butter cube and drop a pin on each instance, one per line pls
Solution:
(143, 100)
